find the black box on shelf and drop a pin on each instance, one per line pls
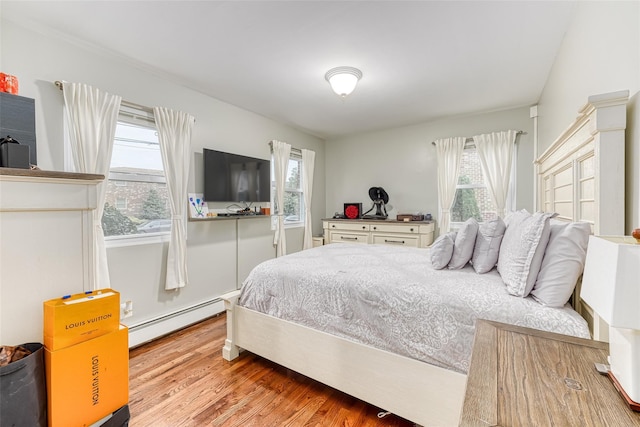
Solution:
(13, 154)
(18, 119)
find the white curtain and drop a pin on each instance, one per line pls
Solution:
(495, 151)
(308, 161)
(448, 154)
(92, 116)
(174, 134)
(281, 153)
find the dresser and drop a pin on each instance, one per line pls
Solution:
(418, 234)
(524, 377)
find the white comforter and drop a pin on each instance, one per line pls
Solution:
(391, 298)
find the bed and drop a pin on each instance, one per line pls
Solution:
(391, 298)
(389, 369)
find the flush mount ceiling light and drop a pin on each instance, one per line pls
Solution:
(343, 80)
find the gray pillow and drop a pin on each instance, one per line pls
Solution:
(522, 250)
(487, 248)
(464, 244)
(442, 249)
(562, 264)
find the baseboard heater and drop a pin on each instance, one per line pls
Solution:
(157, 327)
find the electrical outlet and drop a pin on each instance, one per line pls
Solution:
(126, 309)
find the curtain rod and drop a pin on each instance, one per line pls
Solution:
(518, 132)
(293, 149)
(123, 102)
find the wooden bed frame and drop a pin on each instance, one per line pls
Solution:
(571, 182)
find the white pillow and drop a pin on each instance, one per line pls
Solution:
(442, 249)
(522, 250)
(562, 264)
(514, 215)
(463, 246)
(487, 248)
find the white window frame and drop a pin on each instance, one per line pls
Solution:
(511, 198)
(295, 155)
(146, 119)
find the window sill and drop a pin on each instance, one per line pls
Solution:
(288, 226)
(137, 240)
(294, 225)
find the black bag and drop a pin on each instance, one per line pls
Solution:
(23, 390)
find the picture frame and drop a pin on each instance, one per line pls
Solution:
(197, 206)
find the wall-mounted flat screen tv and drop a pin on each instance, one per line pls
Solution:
(233, 178)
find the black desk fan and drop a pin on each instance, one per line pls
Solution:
(380, 199)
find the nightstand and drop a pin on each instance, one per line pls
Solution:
(317, 241)
(520, 376)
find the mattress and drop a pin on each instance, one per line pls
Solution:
(391, 298)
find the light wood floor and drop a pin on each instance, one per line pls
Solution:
(182, 380)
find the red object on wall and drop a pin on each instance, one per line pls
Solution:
(352, 210)
(8, 83)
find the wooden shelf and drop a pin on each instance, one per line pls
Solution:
(224, 217)
(38, 173)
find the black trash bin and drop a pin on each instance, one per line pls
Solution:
(120, 418)
(23, 390)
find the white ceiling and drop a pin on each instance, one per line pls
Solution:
(421, 60)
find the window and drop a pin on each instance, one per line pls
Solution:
(293, 194)
(472, 198)
(136, 196)
(121, 203)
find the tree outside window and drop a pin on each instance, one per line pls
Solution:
(472, 197)
(293, 194)
(465, 205)
(154, 206)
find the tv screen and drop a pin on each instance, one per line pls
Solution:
(234, 178)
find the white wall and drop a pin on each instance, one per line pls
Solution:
(600, 53)
(403, 162)
(38, 58)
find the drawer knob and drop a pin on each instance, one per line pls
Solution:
(375, 228)
(363, 227)
(411, 229)
(333, 225)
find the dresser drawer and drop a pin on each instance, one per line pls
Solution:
(411, 228)
(357, 226)
(398, 240)
(349, 238)
(395, 228)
